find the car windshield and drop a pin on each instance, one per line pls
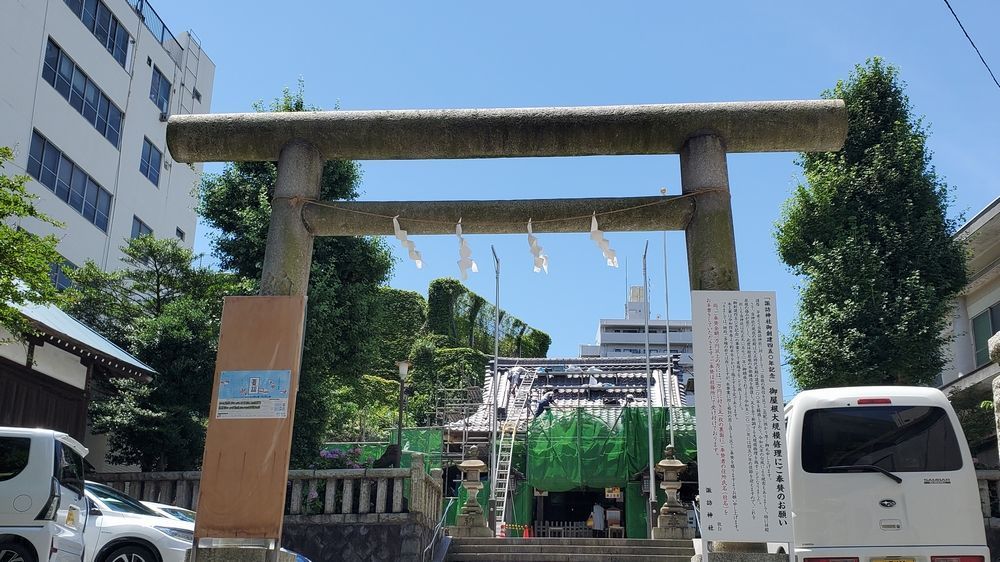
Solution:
(892, 438)
(178, 513)
(117, 501)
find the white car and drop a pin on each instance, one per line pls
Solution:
(122, 529)
(181, 514)
(171, 511)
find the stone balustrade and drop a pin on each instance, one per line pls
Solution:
(989, 486)
(338, 494)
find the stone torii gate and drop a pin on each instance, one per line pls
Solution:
(235, 459)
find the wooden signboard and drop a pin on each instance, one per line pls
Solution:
(245, 469)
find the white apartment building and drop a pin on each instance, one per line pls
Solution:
(86, 88)
(976, 315)
(626, 337)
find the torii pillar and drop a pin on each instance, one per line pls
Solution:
(301, 142)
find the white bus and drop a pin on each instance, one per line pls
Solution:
(881, 474)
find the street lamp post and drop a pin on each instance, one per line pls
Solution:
(404, 370)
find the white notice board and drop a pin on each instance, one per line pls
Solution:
(742, 458)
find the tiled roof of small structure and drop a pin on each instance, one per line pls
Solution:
(569, 379)
(62, 329)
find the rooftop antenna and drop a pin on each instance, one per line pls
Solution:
(651, 508)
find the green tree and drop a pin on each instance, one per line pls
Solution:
(366, 409)
(398, 319)
(167, 312)
(869, 234)
(25, 258)
(343, 286)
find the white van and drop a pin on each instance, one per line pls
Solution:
(43, 509)
(880, 474)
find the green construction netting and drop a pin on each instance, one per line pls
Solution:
(415, 440)
(421, 440)
(637, 438)
(520, 507)
(574, 448)
(601, 447)
(523, 496)
(635, 510)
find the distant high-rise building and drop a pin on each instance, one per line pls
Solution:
(618, 337)
(86, 89)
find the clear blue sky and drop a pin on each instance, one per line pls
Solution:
(396, 55)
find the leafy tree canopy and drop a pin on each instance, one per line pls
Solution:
(25, 258)
(468, 320)
(166, 311)
(343, 286)
(868, 232)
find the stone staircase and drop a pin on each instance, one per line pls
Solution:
(567, 550)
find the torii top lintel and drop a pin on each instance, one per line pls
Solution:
(756, 126)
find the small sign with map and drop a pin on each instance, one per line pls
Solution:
(253, 394)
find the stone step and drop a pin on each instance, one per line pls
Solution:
(617, 543)
(610, 551)
(549, 557)
(476, 549)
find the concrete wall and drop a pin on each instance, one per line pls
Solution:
(370, 538)
(28, 102)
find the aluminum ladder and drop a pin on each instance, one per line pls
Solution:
(516, 416)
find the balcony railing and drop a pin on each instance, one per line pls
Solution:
(336, 493)
(154, 23)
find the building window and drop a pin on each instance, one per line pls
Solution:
(57, 273)
(149, 165)
(140, 228)
(983, 327)
(97, 17)
(80, 91)
(179, 233)
(54, 170)
(159, 91)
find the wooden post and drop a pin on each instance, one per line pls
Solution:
(285, 272)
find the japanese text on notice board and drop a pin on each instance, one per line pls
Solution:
(253, 394)
(742, 460)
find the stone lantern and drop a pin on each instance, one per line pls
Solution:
(672, 522)
(470, 521)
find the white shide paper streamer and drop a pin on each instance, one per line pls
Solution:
(411, 247)
(465, 261)
(597, 236)
(541, 261)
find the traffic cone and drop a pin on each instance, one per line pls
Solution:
(527, 532)
(503, 530)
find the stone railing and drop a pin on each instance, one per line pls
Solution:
(989, 486)
(338, 495)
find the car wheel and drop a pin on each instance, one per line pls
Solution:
(14, 552)
(130, 553)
